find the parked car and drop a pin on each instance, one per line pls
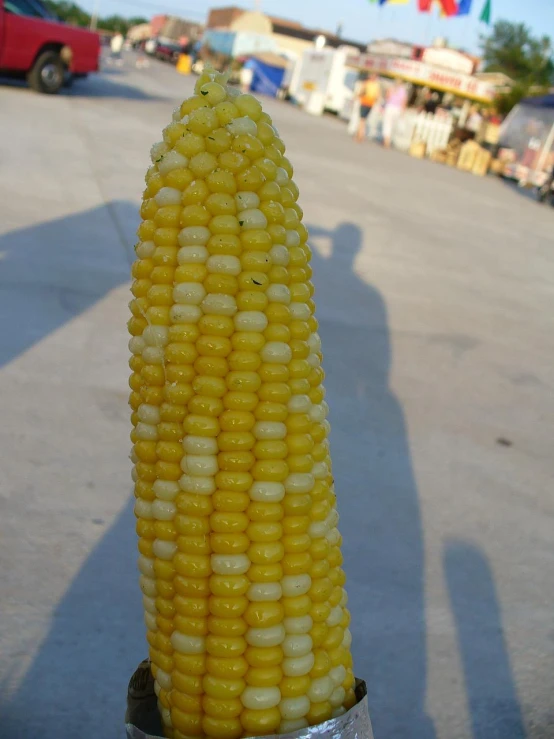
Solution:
(36, 45)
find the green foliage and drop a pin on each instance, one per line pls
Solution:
(512, 49)
(70, 12)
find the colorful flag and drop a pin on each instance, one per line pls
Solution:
(464, 7)
(485, 16)
(393, 2)
(448, 8)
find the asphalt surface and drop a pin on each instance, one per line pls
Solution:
(435, 294)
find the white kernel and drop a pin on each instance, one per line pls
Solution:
(269, 430)
(267, 492)
(297, 645)
(246, 200)
(187, 644)
(314, 360)
(148, 586)
(163, 510)
(338, 675)
(281, 178)
(189, 293)
(294, 708)
(336, 699)
(300, 311)
(317, 529)
(164, 549)
(260, 698)
(339, 711)
(260, 592)
(143, 509)
(292, 238)
(347, 639)
(153, 355)
(314, 342)
(176, 115)
(276, 352)
(253, 219)
(134, 474)
(172, 160)
(168, 196)
(317, 412)
(294, 585)
(185, 313)
(165, 715)
(335, 617)
(219, 305)
(320, 470)
(156, 335)
(299, 482)
(297, 666)
(166, 489)
(240, 126)
(223, 264)
(250, 320)
(277, 293)
(136, 345)
(163, 679)
(279, 255)
(150, 621)
(194, 236)
(298, 624)
(230, 564)
(199, 465)
(149, 413)
(333, 517)
(320, 689)
(146, 432)
(158, 150)
(145, 249)
(146, 566)
(299, 404)
(271, 636)
(197, 485)
(149, 605)
(344, 599)
(200, 445)
(333, 537)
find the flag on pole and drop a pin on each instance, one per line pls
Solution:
(424, 5)
(464, 7)
(448, 8)
(485, 16)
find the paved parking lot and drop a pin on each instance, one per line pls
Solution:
(435, 295)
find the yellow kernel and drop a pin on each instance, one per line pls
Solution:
(230, 502)
(222, 728)
(225, 646)
(294, 687)
(261, 722)
(265, 573)
(264, 656)
(319, 712)
(236, 667)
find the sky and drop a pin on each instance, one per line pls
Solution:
(362, 21)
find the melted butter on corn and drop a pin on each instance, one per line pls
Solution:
(239, 551)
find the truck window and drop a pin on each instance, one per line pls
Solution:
(24, 7)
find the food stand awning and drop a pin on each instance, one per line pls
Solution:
(426, 75)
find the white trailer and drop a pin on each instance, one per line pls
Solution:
(322, 81)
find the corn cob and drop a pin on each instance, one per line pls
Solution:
(240, 555)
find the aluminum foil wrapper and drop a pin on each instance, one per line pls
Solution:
(142, 719)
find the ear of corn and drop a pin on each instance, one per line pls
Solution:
(240, 561)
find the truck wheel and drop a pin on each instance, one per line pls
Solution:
(47, 74)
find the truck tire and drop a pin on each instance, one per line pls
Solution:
(47, 74)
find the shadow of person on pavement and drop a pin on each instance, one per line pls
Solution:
(76, 685)
(494, 707)
(376, 489)
(54, 271)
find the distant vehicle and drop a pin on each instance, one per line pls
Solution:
(324, 73)
(37, 45)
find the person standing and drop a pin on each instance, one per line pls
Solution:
(370, 94)
(116, 47)
(397, 99)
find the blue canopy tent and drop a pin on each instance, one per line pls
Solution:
(268, 73)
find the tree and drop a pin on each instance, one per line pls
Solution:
(512, 49)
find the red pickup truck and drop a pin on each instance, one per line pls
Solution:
(48, 52)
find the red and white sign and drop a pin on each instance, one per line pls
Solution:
(421, 73)
(449, 59)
